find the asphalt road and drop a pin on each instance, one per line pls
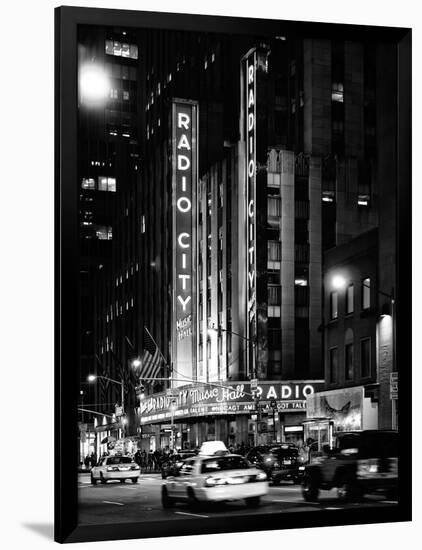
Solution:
(116, 502)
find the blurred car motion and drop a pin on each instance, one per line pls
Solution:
(359, 463)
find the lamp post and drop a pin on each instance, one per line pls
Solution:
(254, 372)
(173, 407)
(93, 377)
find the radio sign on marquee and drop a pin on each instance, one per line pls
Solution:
(184, 122)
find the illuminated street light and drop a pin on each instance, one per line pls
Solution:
(136, 363)
(94, 84)
(338, 282)
(93, 377)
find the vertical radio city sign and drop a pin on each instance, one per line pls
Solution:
(250, 152)
(184, 183)
(254, 129)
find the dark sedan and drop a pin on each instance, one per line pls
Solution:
(280, 462)
(172, 464)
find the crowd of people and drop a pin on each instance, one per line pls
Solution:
(151, 461)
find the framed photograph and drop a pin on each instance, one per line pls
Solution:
(233, 274)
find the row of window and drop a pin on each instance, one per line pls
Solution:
(350, 299)
(349, 362)
(102, 183)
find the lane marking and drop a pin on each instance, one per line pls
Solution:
(187, 514)
(390, 501)
(111, 502)
(332, 508)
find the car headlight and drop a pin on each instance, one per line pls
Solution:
(301, 467)
(135, 467)
(261, 476)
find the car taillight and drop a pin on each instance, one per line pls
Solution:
(213, 481)
(261, 476)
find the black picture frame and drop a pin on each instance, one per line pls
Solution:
(67, 20)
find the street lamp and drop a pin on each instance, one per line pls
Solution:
(94, 84)
(93, 377)
(136, 363)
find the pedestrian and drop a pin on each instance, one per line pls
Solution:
(150, 463)
(93, 459)
(87, 462)
(137, 458)
(143, 460)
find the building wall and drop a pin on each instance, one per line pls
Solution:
(353, 262)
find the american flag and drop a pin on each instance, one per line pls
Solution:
(151, 357)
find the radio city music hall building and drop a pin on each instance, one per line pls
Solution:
(256, 156)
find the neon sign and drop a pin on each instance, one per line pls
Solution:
(184, 121)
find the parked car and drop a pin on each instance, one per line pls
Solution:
(172, 464)
(115, 467)
(217, 478)
(279, 462)
(359, 463)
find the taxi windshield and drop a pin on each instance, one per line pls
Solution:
(224, 463)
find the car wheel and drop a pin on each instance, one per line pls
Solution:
(93, 480)
(103, 481)
(348, 490)
(192, 500)
(135, 480)
(310, 489)
(253, 502)
(166, 501)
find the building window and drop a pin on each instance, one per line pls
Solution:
(274, 295)
(366, 293)
(106, 184)
(274, 251)
(365, 357)
(120, 49)
(334, 305)
(363, 200)
(337, 92)
(349, 299)
(332, 365)
(348, 362)
(88, 183)
(104, 233)
(274, 206)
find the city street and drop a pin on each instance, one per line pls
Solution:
(117, 503)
